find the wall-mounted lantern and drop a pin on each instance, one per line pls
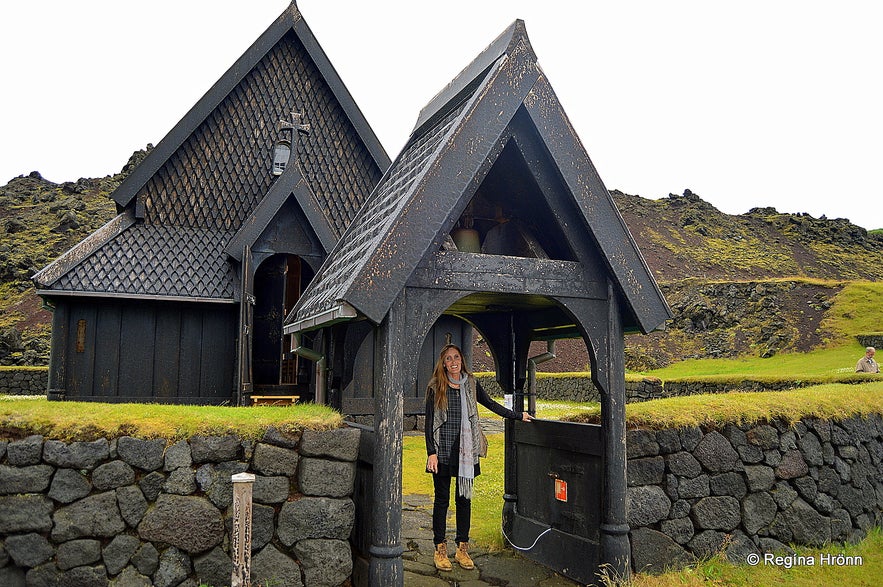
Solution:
(288, 133)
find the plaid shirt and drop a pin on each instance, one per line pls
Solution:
(449, 434)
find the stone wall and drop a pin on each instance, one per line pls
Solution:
(140, 512)
(580, 388)
(874, 340)
(576, 388)
(751, 489)
(24, 381)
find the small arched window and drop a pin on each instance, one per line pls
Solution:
(281, 155)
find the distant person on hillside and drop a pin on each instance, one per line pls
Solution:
(867, 364)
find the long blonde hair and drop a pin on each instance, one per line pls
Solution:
(439, 382)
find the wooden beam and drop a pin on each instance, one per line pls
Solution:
(500, 273)
(58, 353)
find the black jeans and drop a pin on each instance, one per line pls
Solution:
(442, 484)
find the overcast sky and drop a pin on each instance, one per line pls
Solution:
(755, 103)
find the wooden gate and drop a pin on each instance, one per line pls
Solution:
(558, 471)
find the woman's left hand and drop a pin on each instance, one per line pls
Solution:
(525, 417)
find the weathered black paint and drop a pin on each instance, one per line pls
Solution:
(268, 313)
(196, 218)
(356, 388)
(545, 451)
(395, 359)
(615, 549)
(363, 498)
(137, 352)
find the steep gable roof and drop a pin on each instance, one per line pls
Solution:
(266, 61)
(210, 176)
(458, 136)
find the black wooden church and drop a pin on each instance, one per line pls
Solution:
(267, 244)
(181, 297)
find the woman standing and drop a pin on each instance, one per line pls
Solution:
(453, 447)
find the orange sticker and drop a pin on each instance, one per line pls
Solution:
(560, 490)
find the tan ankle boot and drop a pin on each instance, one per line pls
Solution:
(462, 557)
(442, 562)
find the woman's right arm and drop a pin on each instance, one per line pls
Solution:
(431, 456)
(427, 423)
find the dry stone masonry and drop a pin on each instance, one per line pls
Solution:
(580, 388)
(752, 488)
(24, 381)
(132, 512)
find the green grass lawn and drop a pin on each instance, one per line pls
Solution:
(830, 363)
(832, 401)
(856, 310)
(92, 420)
(866, 569)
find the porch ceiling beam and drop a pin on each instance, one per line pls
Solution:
(510, 275)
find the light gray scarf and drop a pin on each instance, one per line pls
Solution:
(466, 457)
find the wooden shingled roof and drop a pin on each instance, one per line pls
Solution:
(456, 139)
(206, 189)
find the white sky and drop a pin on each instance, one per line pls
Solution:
(756, 103)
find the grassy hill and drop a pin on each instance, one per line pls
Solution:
(758, 284)
(685, 237)
(761, 284)
(39, 220)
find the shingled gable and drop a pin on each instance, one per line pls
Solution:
(459, 135)
(291, 20)
(205, 190)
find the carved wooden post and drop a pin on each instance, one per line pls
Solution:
(615, 549)
(386, 567)
(246, 325)
(242, 488)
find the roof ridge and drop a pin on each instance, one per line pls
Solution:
(184, 128)
(375, 260)
(407, 174)
(465, 81)
(290, 183)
